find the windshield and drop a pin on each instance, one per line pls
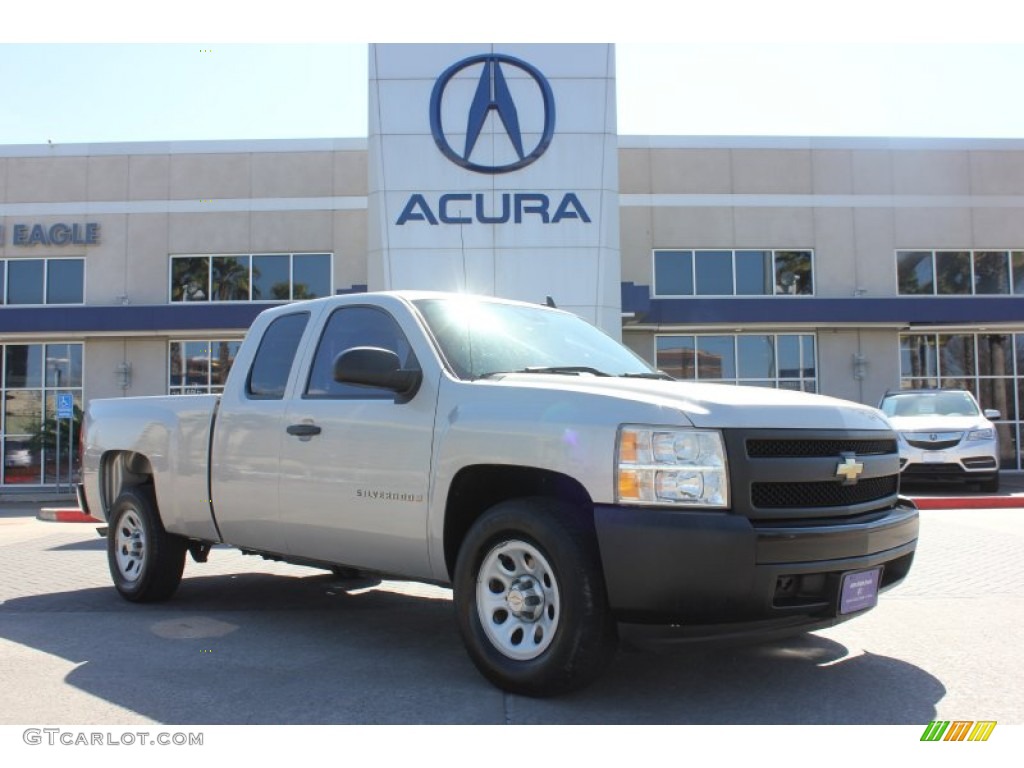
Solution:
(930, 404)
(480, 338)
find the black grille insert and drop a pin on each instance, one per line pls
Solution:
(762, 448)
(826, 494)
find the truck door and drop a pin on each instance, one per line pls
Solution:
(355, 464)
(247, 436)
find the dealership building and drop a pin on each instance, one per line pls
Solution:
(844, 266)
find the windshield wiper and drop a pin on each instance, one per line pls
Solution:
(660, 375)
(563, 369)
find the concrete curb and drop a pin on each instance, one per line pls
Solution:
(65, 515)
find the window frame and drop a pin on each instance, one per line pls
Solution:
(250, 258)
(5, 281)
(693, 252)
(736, 379)
(973, 254)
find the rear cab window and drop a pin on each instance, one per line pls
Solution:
(272, 364)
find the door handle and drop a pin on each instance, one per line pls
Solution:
(303, 430)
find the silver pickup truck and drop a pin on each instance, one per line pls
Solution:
(557, 482)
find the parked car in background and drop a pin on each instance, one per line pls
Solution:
(944, 435)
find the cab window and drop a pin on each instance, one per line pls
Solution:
(350, 327)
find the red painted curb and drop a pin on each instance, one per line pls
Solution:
(65, 515)
(968, 502)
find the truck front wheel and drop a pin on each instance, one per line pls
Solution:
(531, 599)
(145, 561)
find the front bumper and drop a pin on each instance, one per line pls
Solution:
(968, 460)
(714, 569)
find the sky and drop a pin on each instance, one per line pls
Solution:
(107, 71)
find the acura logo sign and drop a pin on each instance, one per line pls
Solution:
(492, 96)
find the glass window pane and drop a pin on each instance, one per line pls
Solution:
(21, 461)
(918, 359)
(176, 365)
(956, 355)
(807, 347)
(754, 273)
(197, 366)
(998, 394)
(789, 356)
(3, 281)
(63, 365)
(25, 281)
(222, 356)
(673, 273)
(793, 274)
(676, 356)
(49, 438)
(1017, 257)
(953, 272)
(230, 278)
(714, 273)
(23, 365)
(190, 278)
(268, 376)
(914, 272)
(995, 355)
(311, 275)
(65, 281)
(23, 412)
(355, 327)
(271, 278)
(716, 357)
(755, 357)
(991, 272)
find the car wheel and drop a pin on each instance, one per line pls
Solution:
(530, 599)
(145, 561)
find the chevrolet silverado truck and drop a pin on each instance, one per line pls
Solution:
(560, 485)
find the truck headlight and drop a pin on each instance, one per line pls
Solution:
(674, 467)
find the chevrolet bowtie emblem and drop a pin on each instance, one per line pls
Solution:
(849, 469)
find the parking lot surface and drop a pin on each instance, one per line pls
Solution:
(248, 641)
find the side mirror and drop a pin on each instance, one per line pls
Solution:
(992, 413)
(375, 367)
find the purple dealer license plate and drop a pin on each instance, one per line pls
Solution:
(860, 590)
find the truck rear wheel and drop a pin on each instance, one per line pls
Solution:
(145, 561)
(530, 599)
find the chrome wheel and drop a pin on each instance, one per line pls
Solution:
(130, 546)
(517, 600)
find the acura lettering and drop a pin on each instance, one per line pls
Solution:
(466, 208)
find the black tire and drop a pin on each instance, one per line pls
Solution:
(530, 598)
(990, 486)
(145, 561)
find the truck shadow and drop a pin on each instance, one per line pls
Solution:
(266, 648)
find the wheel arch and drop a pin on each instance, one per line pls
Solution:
(123, 469)
(477, 488)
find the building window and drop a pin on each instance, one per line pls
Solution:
(959, 273)
(780, 360)
(200, 367)
(733, 273)
(42, 281)
(33, 375)
(251, 277)
(991, 365)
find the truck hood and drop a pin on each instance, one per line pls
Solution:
(715, 406)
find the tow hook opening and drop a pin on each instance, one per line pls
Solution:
(799, 589)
